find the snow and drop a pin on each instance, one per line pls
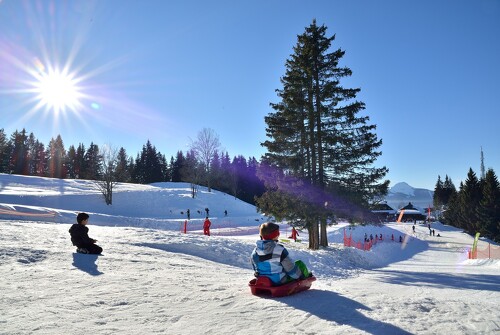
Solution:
(153, 278)
(403, 188)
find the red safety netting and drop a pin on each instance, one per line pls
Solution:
(491, 251)
(368, 243)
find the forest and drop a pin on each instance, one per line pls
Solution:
(24, 154)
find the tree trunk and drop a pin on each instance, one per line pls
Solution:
(323, 236)
(313, 235)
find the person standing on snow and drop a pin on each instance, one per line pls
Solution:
(294, 235)
(206, 226)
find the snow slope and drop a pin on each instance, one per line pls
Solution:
(154, 279)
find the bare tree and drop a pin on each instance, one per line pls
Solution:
(107, 179)
(205, 147)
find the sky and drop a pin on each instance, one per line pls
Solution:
(154, 279)
(133, 71)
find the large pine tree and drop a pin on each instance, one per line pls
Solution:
(318, 141)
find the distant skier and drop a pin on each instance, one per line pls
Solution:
(80, 238)
(188, 214)
(206, 226)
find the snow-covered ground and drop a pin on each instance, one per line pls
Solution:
(154, 279)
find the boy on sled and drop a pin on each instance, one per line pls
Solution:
(271, 259)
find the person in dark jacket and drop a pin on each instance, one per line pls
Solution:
(80, 238)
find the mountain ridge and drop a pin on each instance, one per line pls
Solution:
(402, 193)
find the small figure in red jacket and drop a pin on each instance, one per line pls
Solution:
(294, 235)
(206, 226)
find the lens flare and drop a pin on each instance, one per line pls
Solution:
(58, 91)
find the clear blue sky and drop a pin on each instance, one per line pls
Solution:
(429, 73)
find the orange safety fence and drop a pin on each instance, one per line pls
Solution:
(11, 212)
(365, 245)
(490, 252)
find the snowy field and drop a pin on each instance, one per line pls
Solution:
(154, 279)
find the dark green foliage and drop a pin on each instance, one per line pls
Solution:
(56, 155)
(443, 192)
(476, 206)
(122, 172)
(4, 152)
(317, 137)
(488, 210)
(92, 162)
(150, 165)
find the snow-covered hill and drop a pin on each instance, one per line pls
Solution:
(154, 279)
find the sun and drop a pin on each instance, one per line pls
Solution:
(58, 90)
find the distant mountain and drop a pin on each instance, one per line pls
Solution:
(401, 194)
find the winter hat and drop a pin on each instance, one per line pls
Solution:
(269, 231)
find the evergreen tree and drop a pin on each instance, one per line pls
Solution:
(92, 161)
(443, 192)
(148, 165)
(452, 213)
(4, 152)
(18, 163)
(448, 190)
(56, 158)
(79, 162)
(70, 162)
(229, 179)
(255, 185)
(470, 198)
(38, 159)
(215, 170)
(437, 197)
(122, 171)
(176, 166)
(489, 207)
(239, 167)
(317, 138)
(164, 170)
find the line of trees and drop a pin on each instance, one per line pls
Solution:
(23, 154)
(475, 207)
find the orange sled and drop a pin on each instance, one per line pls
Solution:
(263, 286)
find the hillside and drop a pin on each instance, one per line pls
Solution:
(153, 278)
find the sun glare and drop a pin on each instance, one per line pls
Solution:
(58, 91)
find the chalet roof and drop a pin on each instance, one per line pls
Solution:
(382, 207)
(409, 206)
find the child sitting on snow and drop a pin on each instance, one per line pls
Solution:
(271, 259)
(80, 238)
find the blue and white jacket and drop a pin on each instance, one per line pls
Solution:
(271, 259)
